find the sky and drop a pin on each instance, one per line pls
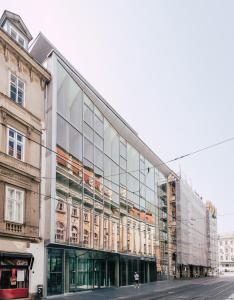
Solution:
(167, 67)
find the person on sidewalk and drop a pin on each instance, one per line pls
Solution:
(136, 278)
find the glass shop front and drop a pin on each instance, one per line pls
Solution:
(14, 275)
(70, 270)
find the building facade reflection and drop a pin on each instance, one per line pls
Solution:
(106, 206)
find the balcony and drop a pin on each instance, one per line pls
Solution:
(14, 228)
(24, 231)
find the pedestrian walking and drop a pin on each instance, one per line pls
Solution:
(136, 278)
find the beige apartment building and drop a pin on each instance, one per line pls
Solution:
(22, 97)
(226, 252)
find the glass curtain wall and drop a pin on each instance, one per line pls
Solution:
(107, 196)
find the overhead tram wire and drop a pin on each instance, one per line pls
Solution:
(59, 199)
(130, 171)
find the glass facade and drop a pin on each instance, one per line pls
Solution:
(109, 200)
(71, 270)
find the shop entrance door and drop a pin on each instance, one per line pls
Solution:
(6, 279)
(99, 273)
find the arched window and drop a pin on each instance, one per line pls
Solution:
(60, 230)
(74, 235)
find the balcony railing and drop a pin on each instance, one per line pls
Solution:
(14, 228)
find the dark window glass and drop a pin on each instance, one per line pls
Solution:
(55, 272)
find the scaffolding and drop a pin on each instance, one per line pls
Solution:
(191, 228)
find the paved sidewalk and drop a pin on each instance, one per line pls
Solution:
(130, 292)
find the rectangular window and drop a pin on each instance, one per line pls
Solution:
(14, 207)
(17, 37)
(17, 89)
(15, 144)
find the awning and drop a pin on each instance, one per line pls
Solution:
(18, 255)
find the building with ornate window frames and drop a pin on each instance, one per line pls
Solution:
(115, 183)
(226, 252)
(22, 97)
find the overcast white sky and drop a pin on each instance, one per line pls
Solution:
(166, 66)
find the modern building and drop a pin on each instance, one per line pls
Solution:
(226, 252)
(84, 202)
(22, 97)
(106, 216)
(191, 228)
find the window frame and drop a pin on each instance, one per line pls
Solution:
(23, 143)
(18, 35)
(60, 231)
(9, 91)
(21, 221)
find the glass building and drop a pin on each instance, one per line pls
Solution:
(106, 214)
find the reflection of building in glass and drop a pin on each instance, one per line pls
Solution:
(107, 215)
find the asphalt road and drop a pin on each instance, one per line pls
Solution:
(199, 289)
(219, 289)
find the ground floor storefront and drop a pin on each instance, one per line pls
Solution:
(14, 274)
(71, 270)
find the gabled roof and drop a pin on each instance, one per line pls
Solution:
(17, 22)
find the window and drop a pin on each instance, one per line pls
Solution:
(15, 144)
(60, 206)
(74, 237)
(17, 89)
(17, 37)
(86, 237)
(14, 208)
(59, 231)
(86, 218)
(74, 212)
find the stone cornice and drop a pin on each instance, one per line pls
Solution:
(9, 108)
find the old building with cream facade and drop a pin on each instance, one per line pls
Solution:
(22, 98)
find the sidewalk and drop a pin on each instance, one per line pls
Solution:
(129, 291)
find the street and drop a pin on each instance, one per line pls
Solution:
(205, 288)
